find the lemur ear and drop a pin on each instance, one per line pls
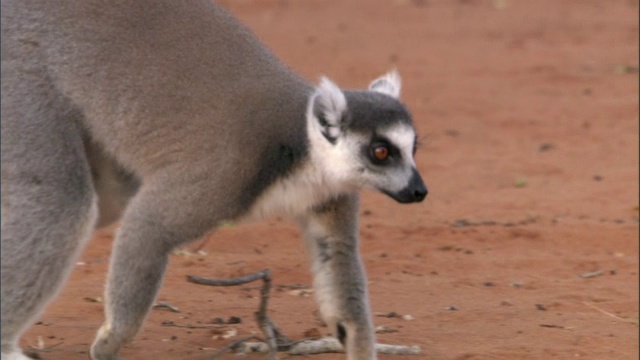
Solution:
(329, 107)
(388, 84)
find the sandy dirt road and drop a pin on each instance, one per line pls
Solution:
(528, 116)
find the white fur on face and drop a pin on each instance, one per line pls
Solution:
(396, 177)
(403, 137)
(333, 169)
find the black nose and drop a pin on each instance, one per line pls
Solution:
(415, 191)
(420, 193)
(417, 187)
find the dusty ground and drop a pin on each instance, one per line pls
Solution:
(528, 115)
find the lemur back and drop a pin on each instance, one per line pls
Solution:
(180, 107)
(211, 68)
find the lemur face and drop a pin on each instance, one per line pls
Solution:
(387, 163)
(366, 139)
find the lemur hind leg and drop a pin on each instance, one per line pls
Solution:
(158, 218)
(48, 202)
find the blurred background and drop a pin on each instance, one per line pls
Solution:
(527, 245)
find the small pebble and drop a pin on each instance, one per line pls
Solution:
(541, 307)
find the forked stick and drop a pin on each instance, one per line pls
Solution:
(275, 341)
(271, 332)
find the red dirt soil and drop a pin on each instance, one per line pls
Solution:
(528, 115)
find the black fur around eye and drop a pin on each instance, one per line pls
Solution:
(381, 152)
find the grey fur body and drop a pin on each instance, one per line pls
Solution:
(178, 106)
(113, 184)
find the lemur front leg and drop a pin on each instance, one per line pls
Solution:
(330, 232)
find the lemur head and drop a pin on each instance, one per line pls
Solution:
(365, 138)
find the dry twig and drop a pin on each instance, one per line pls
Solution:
(275, 341)
(631, 321)
(272, 333)
(327, 345)
(166, 305)
(189, 326)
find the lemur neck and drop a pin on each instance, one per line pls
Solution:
(294, 194)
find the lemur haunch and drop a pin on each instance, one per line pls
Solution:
(213, 128)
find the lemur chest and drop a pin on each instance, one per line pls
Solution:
(291, 196)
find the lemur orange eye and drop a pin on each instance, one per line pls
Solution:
(381, 152)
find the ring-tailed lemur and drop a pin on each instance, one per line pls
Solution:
(214, 128)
